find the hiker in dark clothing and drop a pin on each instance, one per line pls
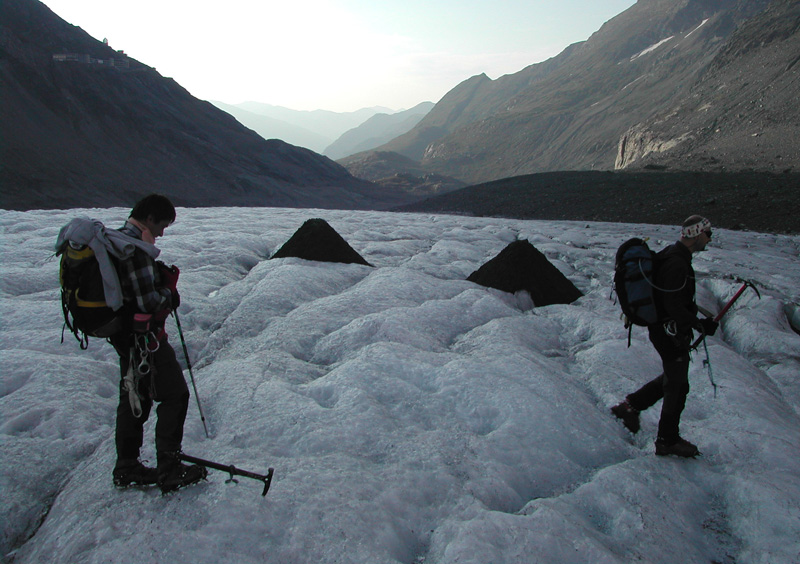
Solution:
(148, 366)
(674, 284)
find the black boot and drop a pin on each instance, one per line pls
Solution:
(628, 414)
(173, 475)
(131, 472)
(679, 447)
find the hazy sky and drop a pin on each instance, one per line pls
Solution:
(338, 55)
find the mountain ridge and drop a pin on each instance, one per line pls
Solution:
(572, 111)
(377, 130)
(329, 125)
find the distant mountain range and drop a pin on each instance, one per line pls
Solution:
(354, 132)
(671, 84)
(323, 122)
(377, 130)
(84, 125)
(315, 130)
(271, 128)
(334, 134)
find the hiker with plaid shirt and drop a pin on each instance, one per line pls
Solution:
(148, 365)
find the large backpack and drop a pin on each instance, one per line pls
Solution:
(634, 272)
(82, 295)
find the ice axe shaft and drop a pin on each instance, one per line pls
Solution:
(232, 470)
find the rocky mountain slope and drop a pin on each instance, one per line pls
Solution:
(399, 173)
(657, 80)
(742, 113)
(96, 128)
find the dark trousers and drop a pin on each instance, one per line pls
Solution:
(672, 385)
(165, 385)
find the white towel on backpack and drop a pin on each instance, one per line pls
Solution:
(105, 243)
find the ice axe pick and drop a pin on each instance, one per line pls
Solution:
(746, 284)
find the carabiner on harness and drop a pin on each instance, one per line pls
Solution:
(131, 383)
(146, 344)
(139, 367)
(143, 369)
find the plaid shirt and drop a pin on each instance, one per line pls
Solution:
(141, 279)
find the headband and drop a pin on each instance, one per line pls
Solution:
(695, 229)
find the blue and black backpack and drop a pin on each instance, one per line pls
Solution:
(634, 276)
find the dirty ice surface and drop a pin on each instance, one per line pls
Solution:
(411, 416)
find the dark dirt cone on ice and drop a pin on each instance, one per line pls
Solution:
(521, 267)
(317, 240)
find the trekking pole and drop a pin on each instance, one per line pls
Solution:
(232, 470)
(724, 310)
(191, 375)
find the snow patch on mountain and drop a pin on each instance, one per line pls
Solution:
(651, 48)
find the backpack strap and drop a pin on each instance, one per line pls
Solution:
(83, 339)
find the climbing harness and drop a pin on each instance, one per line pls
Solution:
(145, 344)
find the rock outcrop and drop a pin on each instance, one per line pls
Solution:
(317, 240)
(520, 266)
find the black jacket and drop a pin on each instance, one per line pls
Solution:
(675, 287)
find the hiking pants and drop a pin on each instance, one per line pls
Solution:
(672, 385)
(166, 386)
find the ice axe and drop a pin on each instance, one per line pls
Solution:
(232, 470)
(746, 284)
(735, 297)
